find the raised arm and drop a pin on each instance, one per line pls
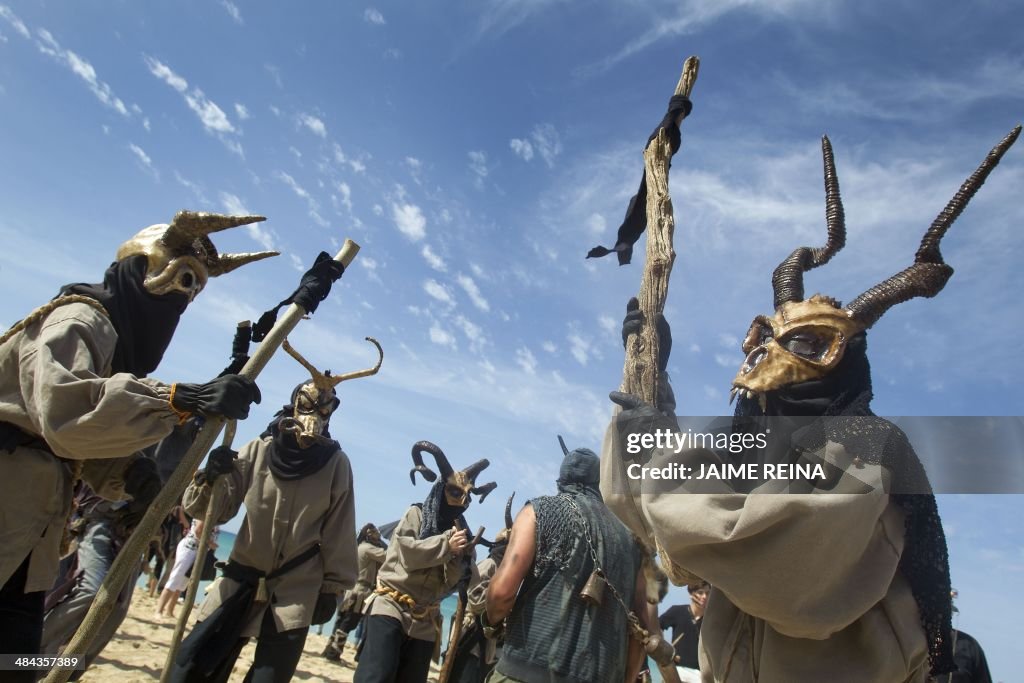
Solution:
(522, 547)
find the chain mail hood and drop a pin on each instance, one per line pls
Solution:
(558, 524)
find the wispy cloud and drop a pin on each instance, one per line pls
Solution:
(543, 140)
(193, 186)
(526, 360)
(441, 336)
(433, 260)
(438, 292)
(48, 45)
(478, 165)
(16, 23)
(258, 231)
(233, 11)
(144, 160)
(373, 16)
(471, 289)
(500, 16)
(409, 220)
(241, 112)
(314, 124)
(521, 148)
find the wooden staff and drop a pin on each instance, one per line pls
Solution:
(640, 372)
(460, 614)
(125, 562)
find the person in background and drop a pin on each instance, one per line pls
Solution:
(684, 620)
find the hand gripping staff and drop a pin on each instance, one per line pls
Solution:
(125, 562)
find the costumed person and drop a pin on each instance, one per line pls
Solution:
(685, 620)
(371, 550)
(971, 665)
(75, 401)
(847, 579)
(101, 528)
(428, 556)
(476, 654)
(570, 579)
(295, 552)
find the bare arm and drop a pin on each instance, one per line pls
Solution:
(635, 653)
(522, 545)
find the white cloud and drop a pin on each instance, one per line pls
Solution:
(356, 165)
(14, 21)
(526, 360)
(441, 337)
(294, 185)
(378, 210)
(145, 123)
(144, 160)
(522, 148)
(413, 163)
(467, 284)
(233, 10)
(607, 323)
(258, 231)
(212, 117)
(80, 67)
(195, 188)
(549, 346)
(241, 111)
(346, 195)
(579, 348)
(314, 124)
(433, 260)
(373, 16)
(438, 291)
(478, 165)
(473, 332)
(597, 224)
(727, 360)
(547, 143)
(410, 221)
(392, 53)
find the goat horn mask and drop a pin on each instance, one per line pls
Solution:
(458, 485)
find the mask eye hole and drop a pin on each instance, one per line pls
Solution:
(303, 404)
(811, 344)
(454, 492)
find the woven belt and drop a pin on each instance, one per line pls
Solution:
(402, 600)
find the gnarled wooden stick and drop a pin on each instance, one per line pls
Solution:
(640, 372)
(126, 560)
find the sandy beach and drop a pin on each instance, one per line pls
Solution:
(137, 653)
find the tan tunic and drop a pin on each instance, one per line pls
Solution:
(371, 557)
(55, 383)
(805, 586)
(477, 603)
(283, 519)
(422, 569)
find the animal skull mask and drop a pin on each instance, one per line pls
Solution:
(316, 400)
(180, 255)
(458, 485)
(805, 339)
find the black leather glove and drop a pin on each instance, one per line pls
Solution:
(220, 461)
(639, 417)
(635, 319)
(316, 283)
(229, 395)
(326, 606)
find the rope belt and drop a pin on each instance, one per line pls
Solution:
(418, 613)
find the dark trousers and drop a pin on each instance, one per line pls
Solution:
(21, 621)
(390, 656)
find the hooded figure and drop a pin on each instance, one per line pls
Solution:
(429, 554)
(75, 400)
(571, 572)
(371, 551)
(295, 552)
(846, 575)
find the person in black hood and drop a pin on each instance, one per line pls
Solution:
(76, 401)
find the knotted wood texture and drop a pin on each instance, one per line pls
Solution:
(640, 372)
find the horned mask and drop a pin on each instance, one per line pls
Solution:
(181, 257)
(457, 485)
(316, 400)
(805, 339)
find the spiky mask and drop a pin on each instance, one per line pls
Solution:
(181, 257)
(805, 339)
(458, 485)
(316, 400)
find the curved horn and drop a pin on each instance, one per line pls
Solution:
(335, 381)
(508, 511)
(788, 278)
(321, 380)
(484, 542)
(225, 263)
(188, 226)
(439, 457)
(482, 491)
(929, 273)
(476, 468)
(417, 459)
(561, 442)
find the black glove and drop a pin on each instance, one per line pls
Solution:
(634, 320)
(143, 484)
(316, 282)
(639, 417)
(229, 395)
(326, 606)
(221, 460)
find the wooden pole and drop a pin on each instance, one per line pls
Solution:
(640, 372)
(125, 562)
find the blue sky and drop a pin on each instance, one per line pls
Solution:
(477, 149)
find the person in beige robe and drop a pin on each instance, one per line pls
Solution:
(371, 554)
(75, 401)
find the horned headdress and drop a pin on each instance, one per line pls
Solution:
(457, 485)
(316, 400)
(805, 339)
(181, 256)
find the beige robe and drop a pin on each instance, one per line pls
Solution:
(477, 604)
(422, 569)
(805, 586)
(55, 383)
(370, 558)
(283, 519)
